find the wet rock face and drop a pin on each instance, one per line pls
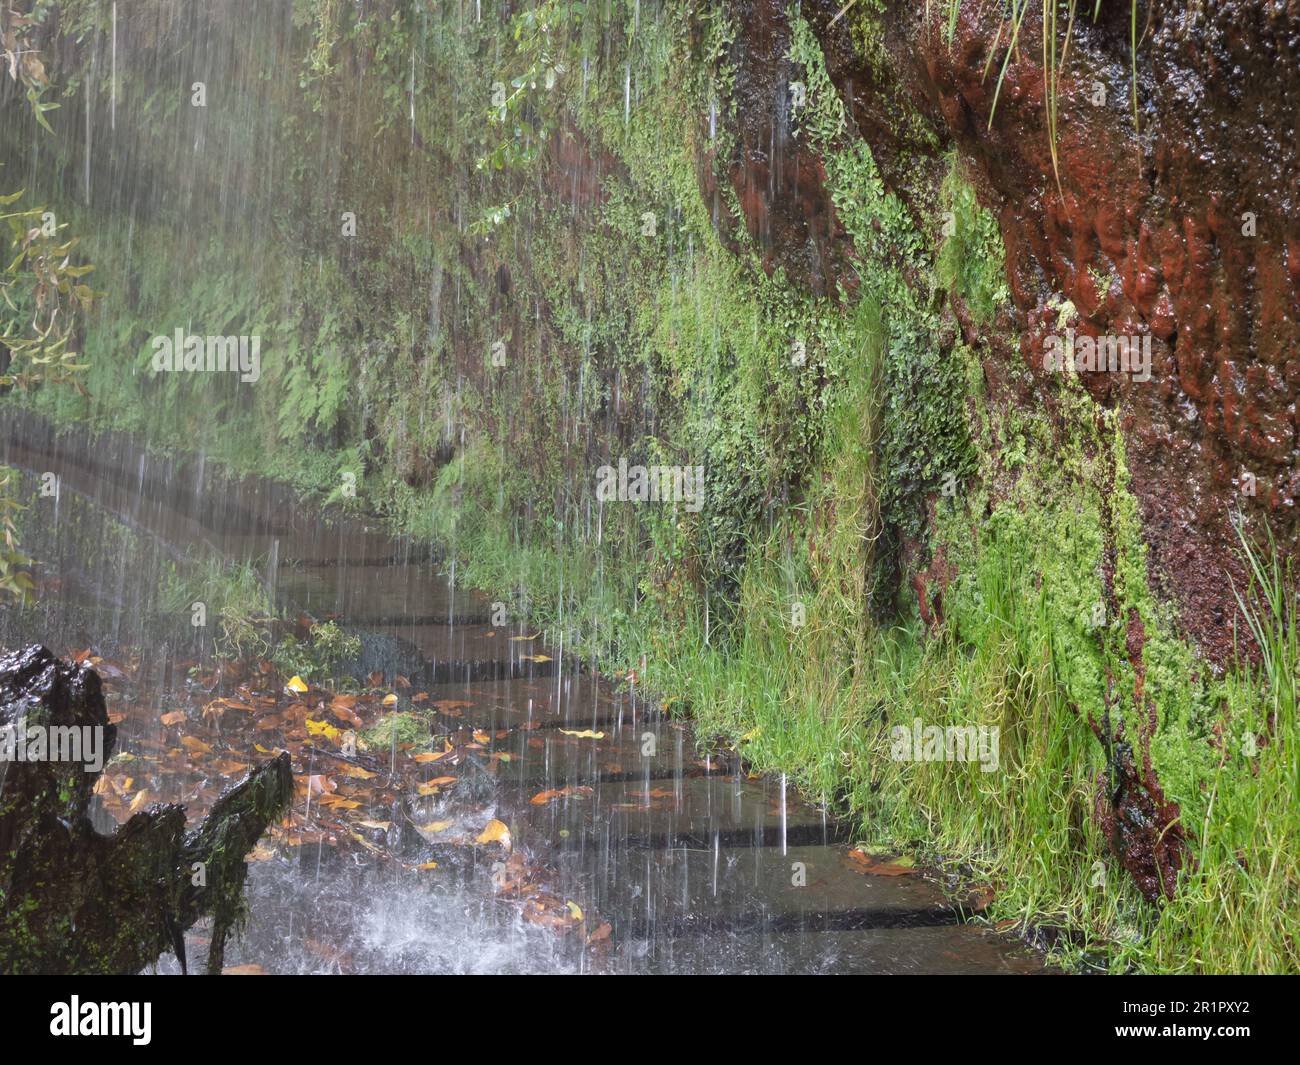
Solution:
(779, 182)
(1186, 233)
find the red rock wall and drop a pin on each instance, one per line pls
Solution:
(1147, 231)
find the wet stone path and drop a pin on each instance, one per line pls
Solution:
(677, 861)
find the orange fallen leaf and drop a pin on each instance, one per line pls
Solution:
(543, 797)
(318, 784)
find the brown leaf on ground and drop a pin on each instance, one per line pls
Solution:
(543, 797)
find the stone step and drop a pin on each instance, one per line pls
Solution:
(220, 526)
(575, 701)
(468, 653)
(685, 891)
(698, 812)
(955, 950)
(644, 750)
(323, 547)
(364, 596)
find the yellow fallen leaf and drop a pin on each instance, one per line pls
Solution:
(427, 865)
(435, 826)
(585, 734)
(323, 728)
(532, 637)
(428, 756)
(142, 797)
(535, 658)
(390, 700)
(196, 745)
(495, 832)
(574, 909)
(296, 684)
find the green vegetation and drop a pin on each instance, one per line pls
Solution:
(42, 296)
(881, 541)
(318, 657)
(401, 729)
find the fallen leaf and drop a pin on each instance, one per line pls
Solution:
(319, 784)
(495, 832)
(585, 734)
(874, 867)
(338, 802)
(296, 684)
(323, 728)
(357, 772)
(543, 797)
(173, 718)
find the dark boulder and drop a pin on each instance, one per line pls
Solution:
(73, 900)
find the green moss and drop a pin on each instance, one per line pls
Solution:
(971, 261)
(402, 729)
